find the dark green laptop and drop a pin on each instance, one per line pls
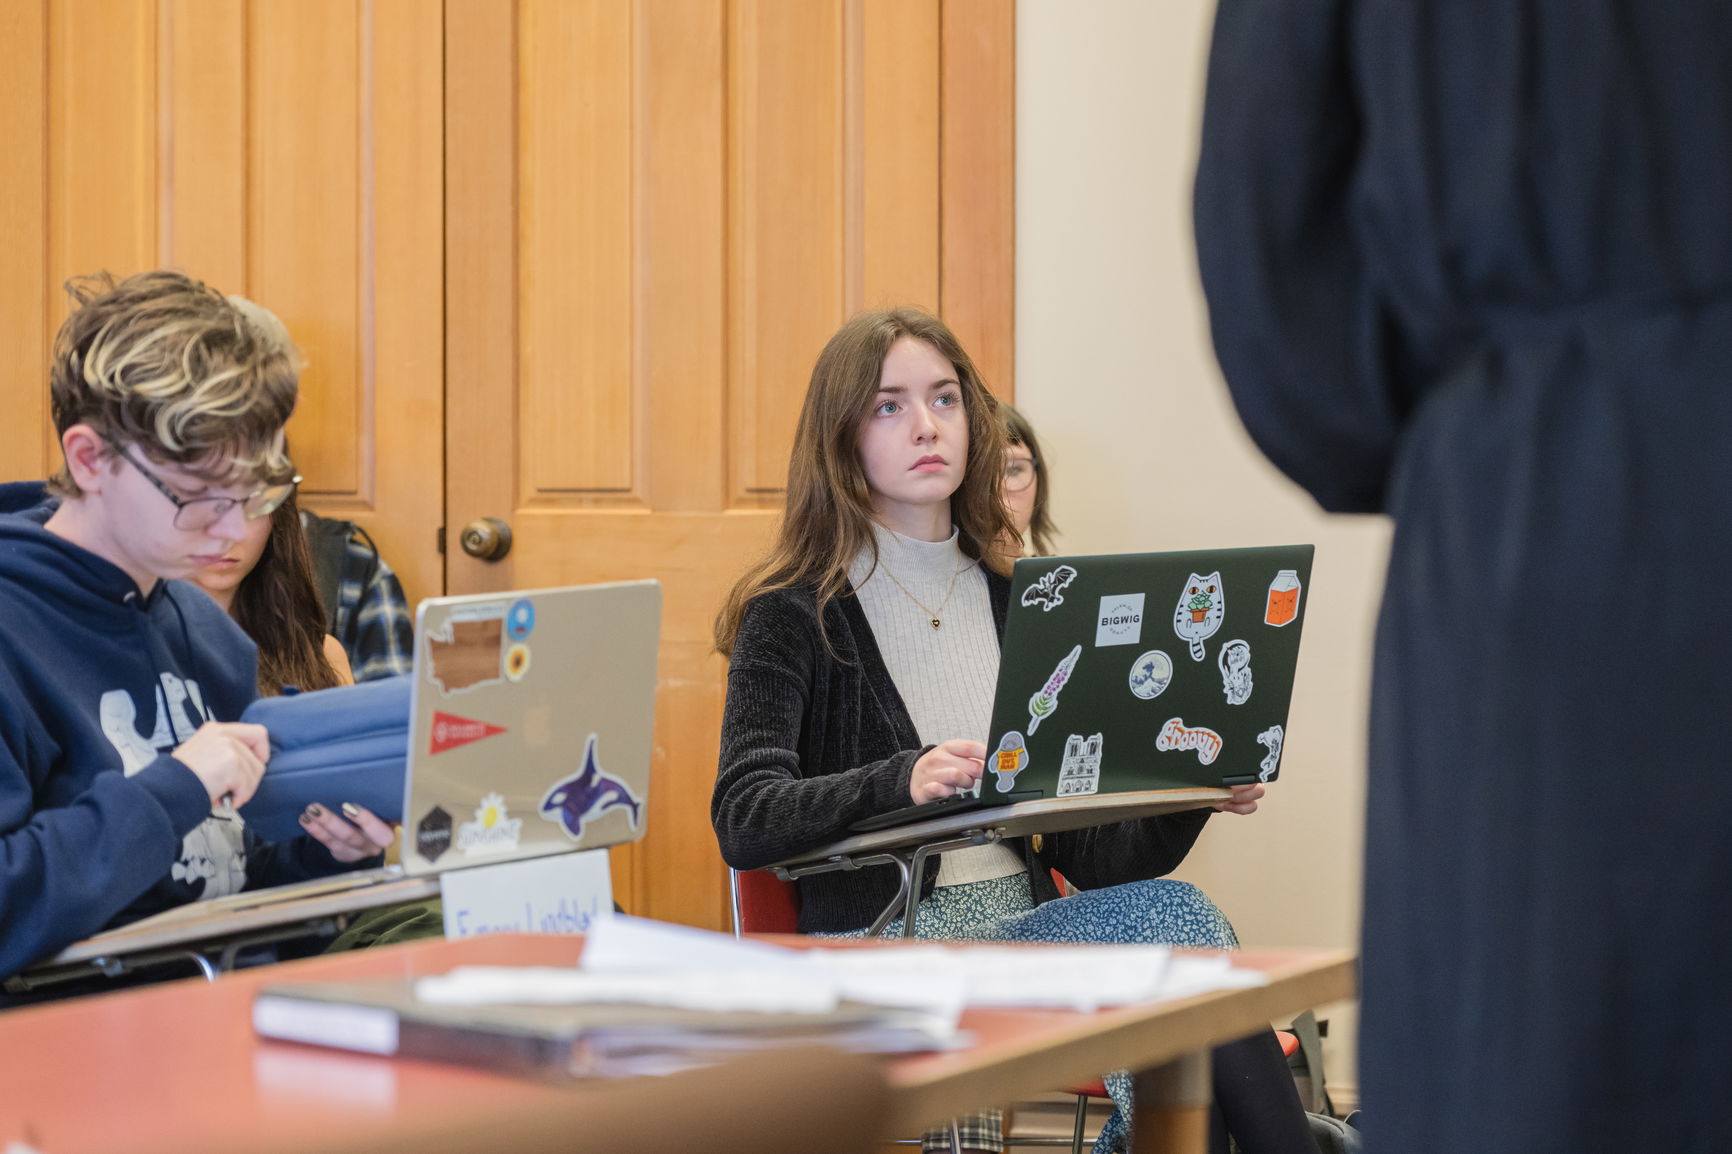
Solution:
(1146, 671)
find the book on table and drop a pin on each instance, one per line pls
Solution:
(384, 1016)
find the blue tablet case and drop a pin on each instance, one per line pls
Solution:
(349, 744)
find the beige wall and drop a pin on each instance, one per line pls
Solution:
(1115, 370)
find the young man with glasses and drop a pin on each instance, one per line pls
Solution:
(121, 768)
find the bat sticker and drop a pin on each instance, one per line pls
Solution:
(1048, 592)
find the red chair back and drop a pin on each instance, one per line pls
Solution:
(764, 903)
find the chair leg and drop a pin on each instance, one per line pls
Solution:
(1082, 1121)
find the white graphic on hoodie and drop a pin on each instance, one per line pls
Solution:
(215, 851)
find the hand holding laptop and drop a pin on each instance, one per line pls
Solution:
(948, 768)
(1244, 799)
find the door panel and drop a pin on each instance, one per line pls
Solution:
(691, 196)
(251, 145)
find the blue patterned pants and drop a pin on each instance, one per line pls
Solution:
(1158, 912)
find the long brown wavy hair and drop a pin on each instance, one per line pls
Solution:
(278, 606)
(828, 519)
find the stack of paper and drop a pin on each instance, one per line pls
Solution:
(654, 998)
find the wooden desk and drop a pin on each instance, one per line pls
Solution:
(177, 1068)
(908, 846)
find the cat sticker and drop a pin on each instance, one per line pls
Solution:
(1010, 759)
(1042, 704)
(1151, 674)
(1234, 660)
(1175, 735)
(587, 794)
(1080, 771)
(1048, 592)
(1198, 614)
(1271, 737)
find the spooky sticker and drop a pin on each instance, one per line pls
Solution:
(1151, 674)
(1283, 604)
(587, 794)
(1010, 759)
(1042, 704)
(1235, 662)
(1271, 737)
(1080, 771)
(492, 831)
(1121, 620)
(1175, 735)
(1048, 592)
(1201, 606)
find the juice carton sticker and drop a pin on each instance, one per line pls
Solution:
(1042, 704)
(1202, 605)
(1234, 660)
(1283, 604)
(1010, 759)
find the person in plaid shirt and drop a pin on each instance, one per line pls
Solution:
(369, 613)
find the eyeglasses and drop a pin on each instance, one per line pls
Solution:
(195, 513)
(1019, 474)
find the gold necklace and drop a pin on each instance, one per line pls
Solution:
(933, 615)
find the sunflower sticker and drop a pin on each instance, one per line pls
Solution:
(517, 661)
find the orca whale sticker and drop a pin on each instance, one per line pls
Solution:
(587, 794)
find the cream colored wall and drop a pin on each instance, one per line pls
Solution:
(1115, 370)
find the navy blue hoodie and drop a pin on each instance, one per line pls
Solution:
(98, 824)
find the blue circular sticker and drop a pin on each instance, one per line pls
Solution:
(520, 622)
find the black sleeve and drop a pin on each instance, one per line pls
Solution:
(767, 806)
(1296, 325)
(1126, 851)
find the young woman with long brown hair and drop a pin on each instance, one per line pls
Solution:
(863, 658)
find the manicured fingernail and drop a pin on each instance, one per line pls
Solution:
(306, 819)
(351, 810)
(314, 810)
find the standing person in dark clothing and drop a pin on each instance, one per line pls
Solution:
(1468, 264)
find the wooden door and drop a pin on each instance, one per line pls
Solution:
(287, 150)
(656, 213)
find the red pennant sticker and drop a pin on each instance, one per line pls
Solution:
(450, 731)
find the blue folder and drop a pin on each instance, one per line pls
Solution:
(331, 746)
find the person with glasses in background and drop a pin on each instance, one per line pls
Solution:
(121, 768)
(1027, 490)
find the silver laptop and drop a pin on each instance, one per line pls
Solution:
(531, 725)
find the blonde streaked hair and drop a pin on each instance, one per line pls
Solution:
(169, 364)
(829, 516)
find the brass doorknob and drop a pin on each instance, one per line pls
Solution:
(487, 539)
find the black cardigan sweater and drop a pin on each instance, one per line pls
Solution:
(813, 742)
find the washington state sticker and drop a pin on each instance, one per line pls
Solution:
(587, 794)
(1272, 738)
(1234, 660)
(1151, 674)
(1175, 735)
(1010, 759)
(468, 650)
(1048, 592)
(1042, 704)
(1202, 605)
(492, 831)
(1080, 770)
(1120, 621)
